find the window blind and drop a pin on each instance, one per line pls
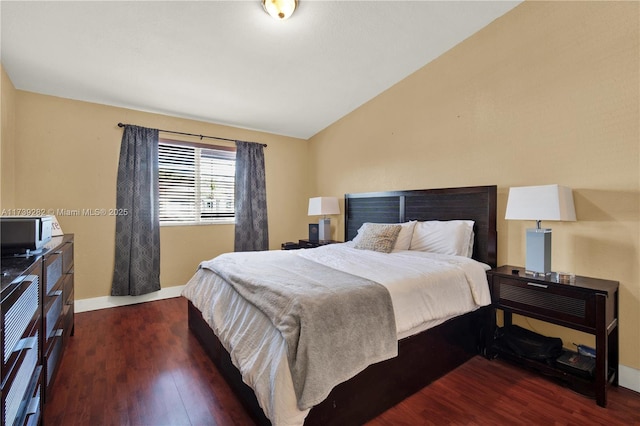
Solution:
(196, 184)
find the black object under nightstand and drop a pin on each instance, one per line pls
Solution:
(586, 304)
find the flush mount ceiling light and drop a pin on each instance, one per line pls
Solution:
(279, 9)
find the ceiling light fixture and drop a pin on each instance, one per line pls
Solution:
(279, 9)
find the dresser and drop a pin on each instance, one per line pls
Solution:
(36, 322)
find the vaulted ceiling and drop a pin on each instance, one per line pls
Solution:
(228, 62)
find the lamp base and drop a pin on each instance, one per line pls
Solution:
(324, 231)
(538, 251)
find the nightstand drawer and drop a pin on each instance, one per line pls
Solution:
(308, 244)
(548, 301)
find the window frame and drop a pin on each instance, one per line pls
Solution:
(197, 174)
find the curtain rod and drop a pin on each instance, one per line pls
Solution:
(193, 134)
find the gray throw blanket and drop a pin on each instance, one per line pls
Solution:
(335, 324)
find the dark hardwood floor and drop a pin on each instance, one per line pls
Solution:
(139, 365)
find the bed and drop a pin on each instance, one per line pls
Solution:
(422, 355)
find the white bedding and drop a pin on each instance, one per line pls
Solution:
(426, 289)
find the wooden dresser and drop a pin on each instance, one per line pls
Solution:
(36, 323)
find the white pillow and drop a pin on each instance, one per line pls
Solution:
(445, 237)
(404, 238)
(472, 239)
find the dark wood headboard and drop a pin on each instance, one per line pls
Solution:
(477, 203)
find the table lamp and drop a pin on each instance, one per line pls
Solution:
(545, 202)
(323, 206)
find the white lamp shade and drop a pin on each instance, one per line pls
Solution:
(545, 202)
(323, 205)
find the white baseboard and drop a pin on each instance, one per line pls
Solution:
(95, 303)
(629, 377)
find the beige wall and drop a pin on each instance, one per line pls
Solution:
(549, 93)
(67, 158)
(7, 140)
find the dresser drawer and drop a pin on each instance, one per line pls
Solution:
(17, 390)
(52, 359)
(546, 301)
(67, 289)
(20, 321)
(53, 313)
(52, 270)
(33, 406)
(67, 257)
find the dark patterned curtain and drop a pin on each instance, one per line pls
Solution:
(252, 233)
(137, 264)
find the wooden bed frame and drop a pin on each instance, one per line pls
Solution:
(422, 358)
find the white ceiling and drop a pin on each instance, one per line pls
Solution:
(228, 62)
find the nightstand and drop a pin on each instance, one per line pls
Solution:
(586, 304)
(306, 244)
(312, 244)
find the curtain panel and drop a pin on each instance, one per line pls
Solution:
(137, 255)
(251, 230)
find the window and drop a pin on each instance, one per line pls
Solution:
(196, 183)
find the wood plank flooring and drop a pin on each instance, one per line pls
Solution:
(139, 365)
